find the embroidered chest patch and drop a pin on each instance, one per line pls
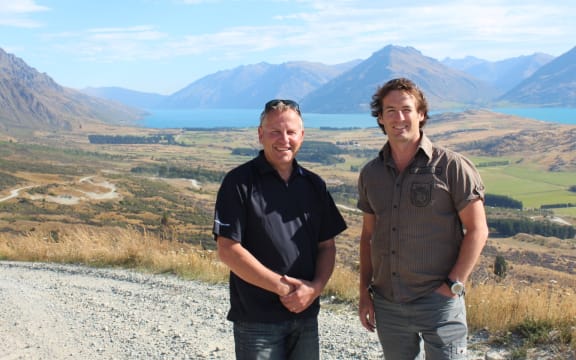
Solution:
(420, 194)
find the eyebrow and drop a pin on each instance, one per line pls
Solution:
(403, 107)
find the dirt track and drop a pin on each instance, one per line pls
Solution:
(52, 311)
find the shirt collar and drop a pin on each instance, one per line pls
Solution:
(264, 166)
(425, 147)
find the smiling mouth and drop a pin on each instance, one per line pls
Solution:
(283, 149)
(400, 129)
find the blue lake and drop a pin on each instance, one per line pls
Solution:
(243, 118)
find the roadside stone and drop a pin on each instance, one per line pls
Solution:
(497, 355)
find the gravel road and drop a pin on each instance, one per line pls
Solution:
(53, 311)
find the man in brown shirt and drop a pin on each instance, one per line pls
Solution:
(423, 230)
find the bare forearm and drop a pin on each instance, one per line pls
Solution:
(365, 264)
(474, 220)
(368, 223)
(365, 304)
(470, 251)
(249, 269)
(324, 265)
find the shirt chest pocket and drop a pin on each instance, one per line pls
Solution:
(430, 193)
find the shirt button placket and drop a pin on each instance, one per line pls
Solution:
(394, 234)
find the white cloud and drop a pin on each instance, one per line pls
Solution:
(134, 33)
(320, 30)
(112, 44)
(20, 6)
(338, 31)
(14, 13)
(493, 28)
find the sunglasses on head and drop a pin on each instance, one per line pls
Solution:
(272, 104)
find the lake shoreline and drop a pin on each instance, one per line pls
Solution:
(247, 118)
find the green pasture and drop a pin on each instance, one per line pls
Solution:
(534, 187)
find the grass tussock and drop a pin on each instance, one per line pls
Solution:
(524, 316)
(115, 247)
(500, 307)
(544, 313)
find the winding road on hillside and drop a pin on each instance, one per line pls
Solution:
(14, 193)
(109, 193)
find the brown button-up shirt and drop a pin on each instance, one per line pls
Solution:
(417, 232)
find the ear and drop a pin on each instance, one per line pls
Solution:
(260, 134)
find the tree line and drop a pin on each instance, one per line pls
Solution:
(557, 206)
(502, 201)
(511, 227)
(167, 139)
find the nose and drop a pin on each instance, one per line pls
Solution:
(399, 115)
(284, 136)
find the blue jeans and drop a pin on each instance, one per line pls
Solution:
(434, 322)
(286, 340)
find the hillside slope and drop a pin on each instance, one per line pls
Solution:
(352, 91)
(554, 84)
(30, 100)
(485, 133)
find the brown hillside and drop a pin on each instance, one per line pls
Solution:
(485, 133)
(30, 100)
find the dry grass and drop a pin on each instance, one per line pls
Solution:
(498, 307)
(523, 317)
(101, 247)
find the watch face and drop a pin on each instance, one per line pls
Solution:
(457, 288)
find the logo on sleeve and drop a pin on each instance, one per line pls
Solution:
(219, 223)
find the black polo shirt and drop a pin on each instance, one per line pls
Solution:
(280, 224)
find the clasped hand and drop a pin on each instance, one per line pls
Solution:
(300, 296)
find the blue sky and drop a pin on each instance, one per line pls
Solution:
(162, 46)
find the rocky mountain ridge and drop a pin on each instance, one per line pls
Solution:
(347, 87)
(352, 90)
(554, 84)
(33, 100)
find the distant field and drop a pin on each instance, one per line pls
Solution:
(532, 186)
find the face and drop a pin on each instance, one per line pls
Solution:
(281, 135)
(400, 117)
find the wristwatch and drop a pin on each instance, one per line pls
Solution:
(457, 287)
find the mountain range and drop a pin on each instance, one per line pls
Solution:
(503, 74)
(553, 84)
(348, 87)
(352, 90)
(33, 100)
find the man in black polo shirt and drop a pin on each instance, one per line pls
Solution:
(275, 224)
